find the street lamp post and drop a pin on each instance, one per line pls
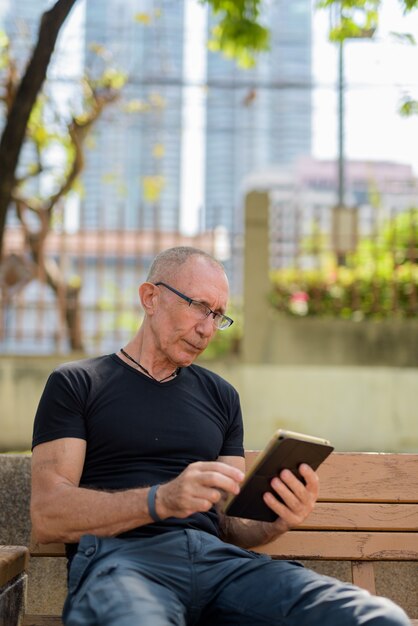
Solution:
(344, 218)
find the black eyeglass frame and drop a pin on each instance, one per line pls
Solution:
(209, 311)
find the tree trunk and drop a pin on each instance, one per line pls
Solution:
(73, 317)
(15, 129)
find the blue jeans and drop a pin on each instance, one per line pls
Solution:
(189, 577)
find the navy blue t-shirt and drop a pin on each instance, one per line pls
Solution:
(140, 432)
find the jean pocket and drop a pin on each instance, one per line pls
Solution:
(78, 570)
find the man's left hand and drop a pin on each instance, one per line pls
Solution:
(298, 498)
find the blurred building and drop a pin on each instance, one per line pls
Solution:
(304, 208)
(252, 118)
(137, 144)
(258, 117)
(20, 21)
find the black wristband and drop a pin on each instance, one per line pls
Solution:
(151, 503)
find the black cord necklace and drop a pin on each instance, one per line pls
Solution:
(128, 356)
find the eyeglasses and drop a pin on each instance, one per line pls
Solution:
(201, 310)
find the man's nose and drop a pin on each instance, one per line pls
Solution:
(206, 327)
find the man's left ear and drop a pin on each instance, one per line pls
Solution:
(148, 295)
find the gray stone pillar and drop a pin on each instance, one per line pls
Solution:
(256, 276)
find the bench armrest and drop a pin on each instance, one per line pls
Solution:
(13, 578)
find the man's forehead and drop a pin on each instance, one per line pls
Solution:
(200, 275)
(196, 267)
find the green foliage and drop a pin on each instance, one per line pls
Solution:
(4, 50)
(401, 235)
(111, 78)
(410, 4)
(404, 38)
(345, 295)
(238, 34)
(379, 281)
(39, 132)
(354, 18)
(408, 107)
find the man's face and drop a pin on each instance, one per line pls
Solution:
(180, 334)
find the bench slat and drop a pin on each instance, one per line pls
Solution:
(362, 516)
(47, 549)
(42, 620)
(344, 546)
(325, 516)
(366, 477)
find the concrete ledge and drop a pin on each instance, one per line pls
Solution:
(335, 342)
(14, 499)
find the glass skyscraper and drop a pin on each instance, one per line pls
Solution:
(253, 118)
(132, 174)
(257, 117)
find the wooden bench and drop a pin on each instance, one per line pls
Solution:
(367, 513)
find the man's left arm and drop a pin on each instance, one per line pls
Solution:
(298, 501)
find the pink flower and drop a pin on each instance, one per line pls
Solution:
(298, 304)
(299, 296)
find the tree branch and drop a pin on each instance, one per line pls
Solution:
(78, 132)
(14, 131)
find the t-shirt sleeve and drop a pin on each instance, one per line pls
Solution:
(233, 442)
(60, 411)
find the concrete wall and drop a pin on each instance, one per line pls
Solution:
(358, 408)
(21, 382)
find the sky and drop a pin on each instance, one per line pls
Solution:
(377, 73)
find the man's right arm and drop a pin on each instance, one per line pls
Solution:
(62, 511)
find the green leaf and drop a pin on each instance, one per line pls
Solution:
(404, 38)
(4, 40)
(135, 106)
(239, 34)
(113, 79)
(409, 107)
(152, 187)
(410, 4)
(143, 18)
(353, 19)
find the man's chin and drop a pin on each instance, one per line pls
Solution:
(189, 355)
(195, 350)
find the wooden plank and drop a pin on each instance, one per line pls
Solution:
(47, 549)
(344, 546)
(362, 516)
(366, 477)
(325, 516)
(42, 620)
(363, 575)
(13, 561)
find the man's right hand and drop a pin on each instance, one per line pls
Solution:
(197, 489)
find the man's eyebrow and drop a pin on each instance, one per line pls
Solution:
(221, 311)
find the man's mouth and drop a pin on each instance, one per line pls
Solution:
(194, 347)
